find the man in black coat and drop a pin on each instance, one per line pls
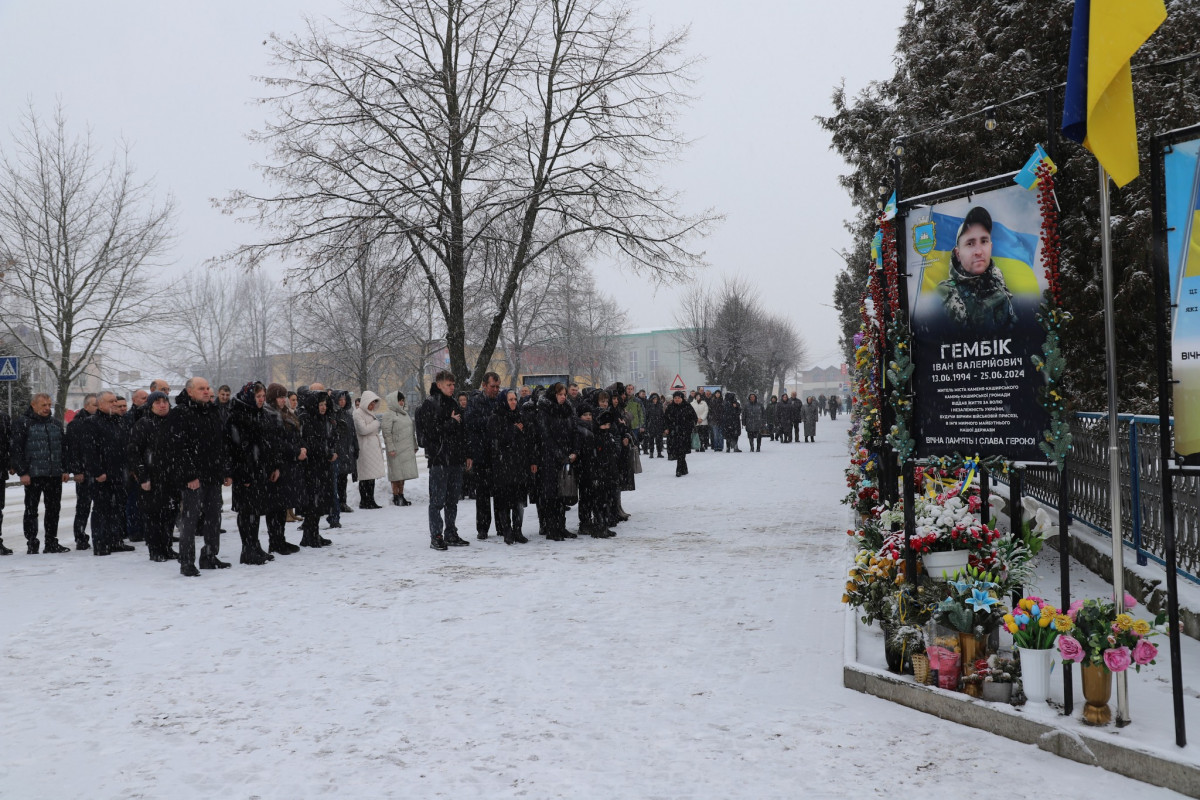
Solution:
(73, 446)
(37, 459)
(200, 467)
(104, 450)
(5, 469)
(440, 425)
(480, 409)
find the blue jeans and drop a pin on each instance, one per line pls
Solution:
(445, 486)
(718, 438)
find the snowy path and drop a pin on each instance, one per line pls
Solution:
(696, 655)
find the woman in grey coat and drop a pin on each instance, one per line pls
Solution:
(400, 441)
(753, 416)
(808, 414)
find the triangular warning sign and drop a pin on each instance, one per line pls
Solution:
(677, 384)
(7, 370)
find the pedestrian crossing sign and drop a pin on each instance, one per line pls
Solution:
(677, 385)
(10, 368)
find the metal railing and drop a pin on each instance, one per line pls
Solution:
(1141, 489)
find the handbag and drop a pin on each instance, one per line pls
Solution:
(695, 441)
(635, 460)
(568, 486)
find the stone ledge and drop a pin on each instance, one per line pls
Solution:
(1010, 723)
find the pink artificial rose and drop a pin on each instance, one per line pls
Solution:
(1073, 611)
(1130, 601)
(1144, 652)
(1117, 659)
(1070, 649)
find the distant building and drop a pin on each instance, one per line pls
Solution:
(651, 359)
(822, 381)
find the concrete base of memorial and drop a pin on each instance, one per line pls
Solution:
(1118, 750)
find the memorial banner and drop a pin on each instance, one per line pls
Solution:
(976, 285)
(1181, 172)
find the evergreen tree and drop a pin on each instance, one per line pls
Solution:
(956, 58)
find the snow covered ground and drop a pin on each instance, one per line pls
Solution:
(696, 655)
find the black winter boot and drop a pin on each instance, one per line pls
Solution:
(4, 551)
(438, 543)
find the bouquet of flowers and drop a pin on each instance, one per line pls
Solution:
(1035, 624)
(1102, 637)
(945, 522)
(871, 582)
(972, 605)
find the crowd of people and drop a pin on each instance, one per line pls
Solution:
(154, 472)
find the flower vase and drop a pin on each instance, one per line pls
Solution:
(973, 648)
(1097, 688)
(1035, 673)
(997, 692)
(940, 566)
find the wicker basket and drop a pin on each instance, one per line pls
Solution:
(920, 663)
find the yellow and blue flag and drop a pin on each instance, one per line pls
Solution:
(1014, 253)
(1027, 178)
(1192, 264)
(1098, 106)
(889, 209)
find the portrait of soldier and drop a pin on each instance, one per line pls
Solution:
(974, 295)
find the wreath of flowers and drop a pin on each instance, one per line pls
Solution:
(900, 367)
(1056, 440)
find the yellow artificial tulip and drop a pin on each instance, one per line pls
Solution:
(1044, 621)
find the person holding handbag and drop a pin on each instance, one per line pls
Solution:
(556, 430)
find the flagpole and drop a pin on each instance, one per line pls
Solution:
(1114, 454)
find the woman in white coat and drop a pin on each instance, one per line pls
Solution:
(400, 441)
(370, 455)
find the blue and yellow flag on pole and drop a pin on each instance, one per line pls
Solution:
(1098, 107)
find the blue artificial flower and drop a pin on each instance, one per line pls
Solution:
(981, 600)
(962, 587)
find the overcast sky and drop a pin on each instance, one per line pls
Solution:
(174, 80)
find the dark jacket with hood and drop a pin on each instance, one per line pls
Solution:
(317, 436)
(752, 416)
(654, 417)
(443, 437)
(252, 459)
(680, 421)
(345, 436)
(196, 442)
(556, 433)
(510, 453)
(37, 446)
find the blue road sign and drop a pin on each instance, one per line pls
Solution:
(10, 368)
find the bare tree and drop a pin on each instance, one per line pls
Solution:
(781, 349)
(260, 321)
(735, 342)
(443, 117)
(78, 234)
(588, 325)
(205, 334)
(351, 320)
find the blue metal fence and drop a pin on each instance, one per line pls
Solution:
(1141, 489)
